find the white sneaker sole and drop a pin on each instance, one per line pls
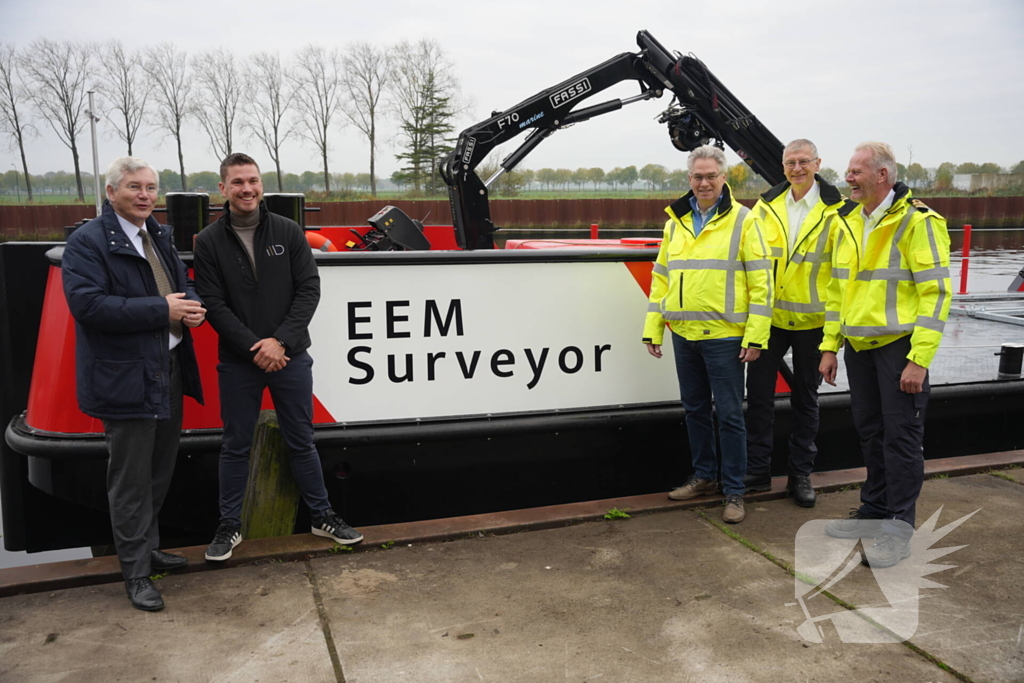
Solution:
(327, 534)
(227, 555)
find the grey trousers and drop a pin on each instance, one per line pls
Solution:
(142, 456)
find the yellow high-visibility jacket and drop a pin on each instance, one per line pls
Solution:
(715, 285)
(896, 284)
(801, 277)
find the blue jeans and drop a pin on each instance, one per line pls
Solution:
(241, 392)
(712, 368)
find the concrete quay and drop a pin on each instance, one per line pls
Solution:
(549, 594)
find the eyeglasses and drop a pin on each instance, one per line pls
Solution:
(802, 163)
(135, 187)
(710, 177)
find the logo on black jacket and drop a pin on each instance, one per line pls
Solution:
(275, 250)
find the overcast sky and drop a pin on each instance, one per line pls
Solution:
(943, 76)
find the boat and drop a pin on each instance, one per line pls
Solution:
(450, 377)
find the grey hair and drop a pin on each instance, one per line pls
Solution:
(706, 152)
(881, 157)
(802, 142)
(123, 166)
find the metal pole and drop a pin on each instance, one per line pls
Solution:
(95, 154)
(17, 183)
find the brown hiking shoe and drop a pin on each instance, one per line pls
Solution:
(733, 512)
(694, 487)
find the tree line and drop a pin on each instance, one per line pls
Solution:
(303, 98)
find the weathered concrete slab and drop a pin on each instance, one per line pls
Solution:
(242, 625)
(973, 625)
(664, 597)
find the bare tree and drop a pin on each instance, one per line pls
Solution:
(272, 97)
(425, 98)
(221, 89)
(366, 76)
(126, 88)
(169, 75)
(317, 97)
(58, 73)
(12, 109)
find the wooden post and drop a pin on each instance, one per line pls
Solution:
(271, 495)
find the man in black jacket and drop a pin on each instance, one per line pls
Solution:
(133, 303)
(257, 276)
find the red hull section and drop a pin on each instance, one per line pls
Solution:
(52, 406)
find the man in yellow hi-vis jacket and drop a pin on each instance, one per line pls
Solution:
(712, 285)
(889, 299)
(798, 220)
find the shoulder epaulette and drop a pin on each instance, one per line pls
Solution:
(848, 206)
(919, 205)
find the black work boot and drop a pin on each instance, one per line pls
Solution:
(757, 482)
(803, 493)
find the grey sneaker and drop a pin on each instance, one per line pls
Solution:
(733, 512)
(224, 541)
(330, 525)
(886, 551)
(694, 487)
(857, 526)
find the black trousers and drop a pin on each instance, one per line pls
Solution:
(761, 375)
(142, 455)
(890, 424)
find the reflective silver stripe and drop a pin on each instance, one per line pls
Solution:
(891, 274)
(931, 239)
(737, 233)
(894, 250)
(941, 301)
(800, 308)
(930, 323)
(654, 307)
(841, 273)
(819, 262)
(759, 264)
(705, 316)
(940, 273)
(660, 270)
(853, 331)
(777, 252)
(798, 257)
(832, 316)
(705, 264)
(758, 309)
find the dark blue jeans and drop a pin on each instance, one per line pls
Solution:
(711, 369)
(241, 392)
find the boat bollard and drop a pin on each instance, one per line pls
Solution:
(965, 262)
(1011, 357)
(593, 231)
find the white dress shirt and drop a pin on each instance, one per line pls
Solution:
(872, 220)
(132, 232)
(797, 211)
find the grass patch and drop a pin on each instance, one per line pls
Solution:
(1007, 477)
(387, 546)
(848, 487)
(334, 550)
(616, 513)
(939, 476)
(157, 577)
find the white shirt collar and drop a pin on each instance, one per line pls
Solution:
(809, 199)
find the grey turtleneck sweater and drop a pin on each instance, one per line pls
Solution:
(244, 225)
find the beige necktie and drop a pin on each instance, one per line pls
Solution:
(163, 285)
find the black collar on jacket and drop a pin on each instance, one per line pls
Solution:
(900, 191)
(829, 194)
(681, 206)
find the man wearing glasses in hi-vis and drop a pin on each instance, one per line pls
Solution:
(712, 285)
(798, 219)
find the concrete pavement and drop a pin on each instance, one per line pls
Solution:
(668, 596)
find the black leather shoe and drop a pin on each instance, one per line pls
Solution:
(803, 493)
(757, 482)
(144, 594)
(159, 560)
